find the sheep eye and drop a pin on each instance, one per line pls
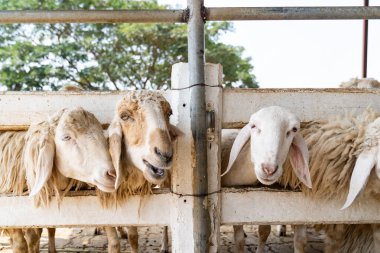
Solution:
(253, 125)
(294, 129)
(126, 117)
(66, 138)
(170, 113)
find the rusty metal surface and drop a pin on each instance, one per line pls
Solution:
(292, 13)
(93, 16)
(365, 44)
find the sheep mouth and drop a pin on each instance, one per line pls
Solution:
(105, 185)
(155, 171)
(266, 181)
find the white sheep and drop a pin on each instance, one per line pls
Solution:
(52, 157)
(352, 83)
(274, 134)
(141, 146)
(343, 152)
(361, 83)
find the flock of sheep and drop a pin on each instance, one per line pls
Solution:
(334, 159)
(70, 150)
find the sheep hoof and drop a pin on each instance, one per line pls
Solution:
(164, 251)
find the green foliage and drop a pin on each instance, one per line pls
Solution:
(106, 56)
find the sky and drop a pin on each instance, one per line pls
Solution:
(304, 54)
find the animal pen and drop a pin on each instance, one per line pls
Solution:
(193, 209)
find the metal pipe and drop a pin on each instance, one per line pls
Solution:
(365, 44)
(196, 58)
(292, 13)
(94, 16)
(166, 16)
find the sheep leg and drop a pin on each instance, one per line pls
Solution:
(133, 239)
(165, 241)
(32, 237)
(123, 234)
(264, 232)
(300, 238)
(281, 230)
(239, 238)
(51, 242)
(334, 239)
(376, 237)
(18, 241)
(113, 240)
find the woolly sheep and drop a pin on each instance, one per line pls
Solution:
(51, 157)
(141, 146)
(361, 83)
(352, 83)
(140, 143)
(343, 153)
(274, 134)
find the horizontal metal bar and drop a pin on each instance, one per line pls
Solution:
(292, 13)
(181, 16)
(94, 16)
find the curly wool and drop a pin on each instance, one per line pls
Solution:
(334, 145)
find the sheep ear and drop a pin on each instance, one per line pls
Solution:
(44, 164)
(363, 166)
(299, 158)
(115, 140)
(174, 132)
(241, 139)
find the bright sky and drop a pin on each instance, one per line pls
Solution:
(302, 53)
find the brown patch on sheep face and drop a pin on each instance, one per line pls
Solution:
(133, 124)
(144, 122)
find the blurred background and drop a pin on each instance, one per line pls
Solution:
(268, 54)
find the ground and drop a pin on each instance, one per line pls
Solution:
(83, 240)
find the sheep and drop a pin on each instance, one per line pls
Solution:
(352, 83)
(52, 157)
(141, 146)
(274, 134)
(361, 83)
(342, 151)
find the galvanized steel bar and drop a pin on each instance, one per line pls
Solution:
(94, 16)
(196, 58)
(365, 44)
(292, 13)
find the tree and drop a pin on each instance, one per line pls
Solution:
(106, 56)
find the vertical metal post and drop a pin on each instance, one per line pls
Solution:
(196, 57)
(365, 44)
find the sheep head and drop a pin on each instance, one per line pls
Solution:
(73, 143)
(141, 130)
(274, 134)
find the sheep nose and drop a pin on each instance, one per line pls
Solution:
(165, 157)
(269, 169)
(111, 173)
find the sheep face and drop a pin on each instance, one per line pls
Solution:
(71, 142)
(142, 119)
(82, 150)
(274, 134)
